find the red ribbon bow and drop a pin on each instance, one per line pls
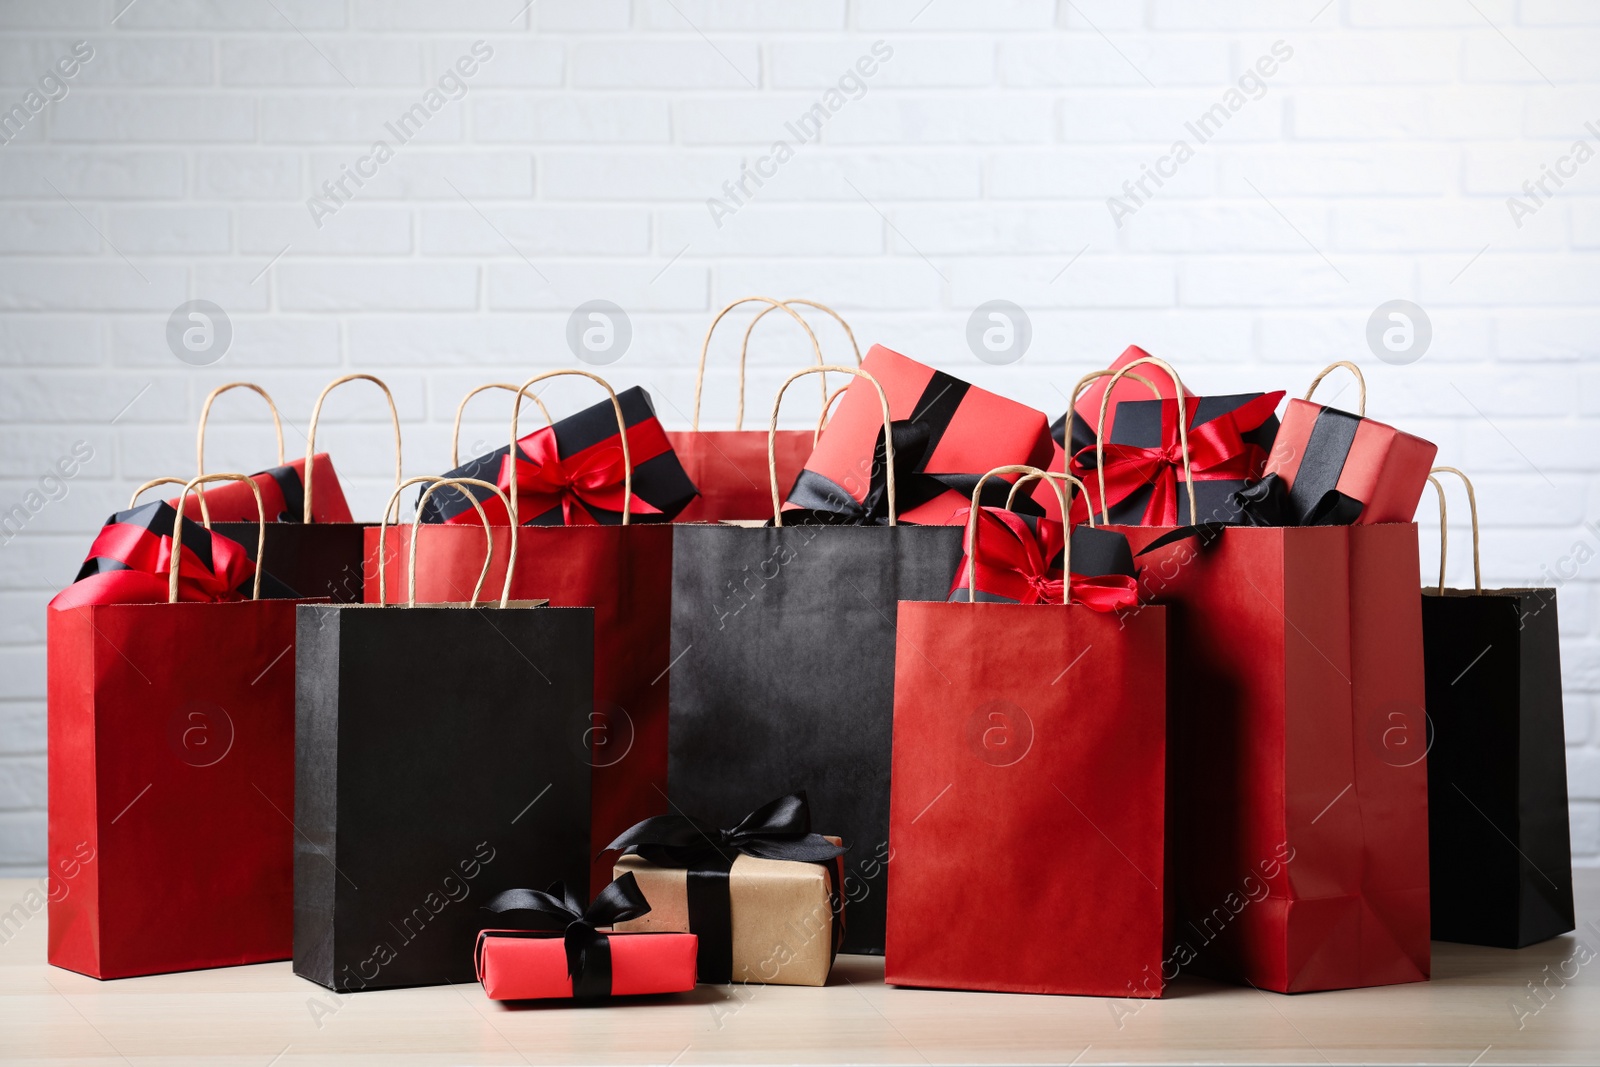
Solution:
(1217, 452)
(148, 557)
(588, 480)
(1012, 561)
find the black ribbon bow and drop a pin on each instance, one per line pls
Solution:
(778, 830)
(1268, 503)
(588, 950)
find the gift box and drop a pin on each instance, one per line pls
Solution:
(130, 562)
(763, 897)
(1146, 476)
(1322, 448)
(947, 433)
(570, 955)
(1074, 430)
(1019, 562)
(572, 473)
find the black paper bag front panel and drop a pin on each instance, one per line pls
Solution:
(783, 679)
(440, 758)
(314, 559)
(1499, 843)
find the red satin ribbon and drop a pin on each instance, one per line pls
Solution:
(1012, 562)
(592, 478)
(149, 558)
(1217, 452)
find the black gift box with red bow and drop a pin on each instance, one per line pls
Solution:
(571, 472)
(1229, 440)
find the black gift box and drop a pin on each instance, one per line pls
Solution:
(658, 478)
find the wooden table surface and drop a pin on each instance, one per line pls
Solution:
(1479, 1009)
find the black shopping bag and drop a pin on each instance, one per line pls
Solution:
(783, 640)
(1499, 842)
(440, 758)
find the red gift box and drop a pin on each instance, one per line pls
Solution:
(532, 965)
(1321, 448)
(563, 949)
(960, 432)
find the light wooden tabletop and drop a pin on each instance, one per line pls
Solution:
(1481, 1008)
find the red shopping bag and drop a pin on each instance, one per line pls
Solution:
(281, 489)
(1027, 808)
(624, 572)
(729, 467)
(171, 752)
(1300, 826)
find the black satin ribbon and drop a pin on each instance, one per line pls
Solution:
(293, 491)
(588, 950)
(1268, 503)
(778, 830)
(1323, 462)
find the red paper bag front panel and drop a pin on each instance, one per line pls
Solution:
(625, 574)
(172, 764)
(1028, 800)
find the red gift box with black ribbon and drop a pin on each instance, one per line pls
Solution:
(571, 473)
(947, 433)
(1145, 475)
(571, 952)
(1321, 449)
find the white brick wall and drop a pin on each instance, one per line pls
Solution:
(976, 165)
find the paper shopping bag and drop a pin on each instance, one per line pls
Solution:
(171, 752)
(624, 573)
(1299, 804)
(1028, 786)
(783, 668)
(440, 759)
(1499, 840)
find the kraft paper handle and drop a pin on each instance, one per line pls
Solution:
(1083, 383)
(827, 409)
(850, 334)
(1028, 479)
(177, 530)
(772, 433)
(700, 375)
(1444, 527)
(1183, 434)
(205, 415)
(622, 432)
(316, 414)
(455, 434)
(205, 511)
(1361, 380)
(827, 400)
(488, 559)
(1054, 481)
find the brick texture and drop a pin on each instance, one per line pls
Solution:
(901, 160)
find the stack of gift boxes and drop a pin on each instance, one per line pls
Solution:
(1050, 708)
